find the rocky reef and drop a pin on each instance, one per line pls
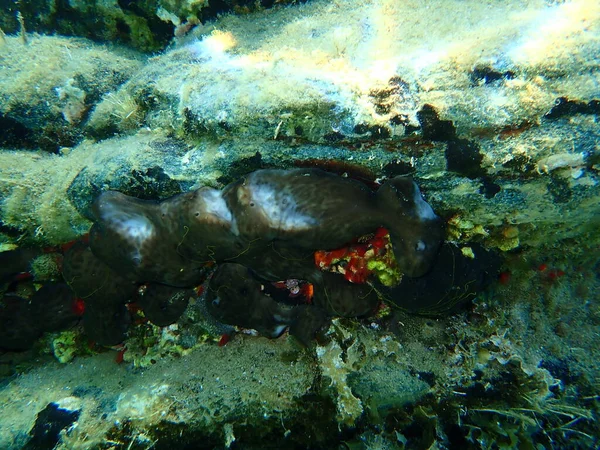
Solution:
(491, 109)
(266, 227)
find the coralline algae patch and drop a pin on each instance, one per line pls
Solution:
(370, 255)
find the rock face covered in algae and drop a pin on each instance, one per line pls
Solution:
(492, 109)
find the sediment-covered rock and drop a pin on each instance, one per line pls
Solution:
(49, 84)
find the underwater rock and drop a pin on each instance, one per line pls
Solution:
(50, 85)
(243, 78)
(354, 75)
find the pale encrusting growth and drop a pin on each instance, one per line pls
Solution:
(329, 67)
(49, 86)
